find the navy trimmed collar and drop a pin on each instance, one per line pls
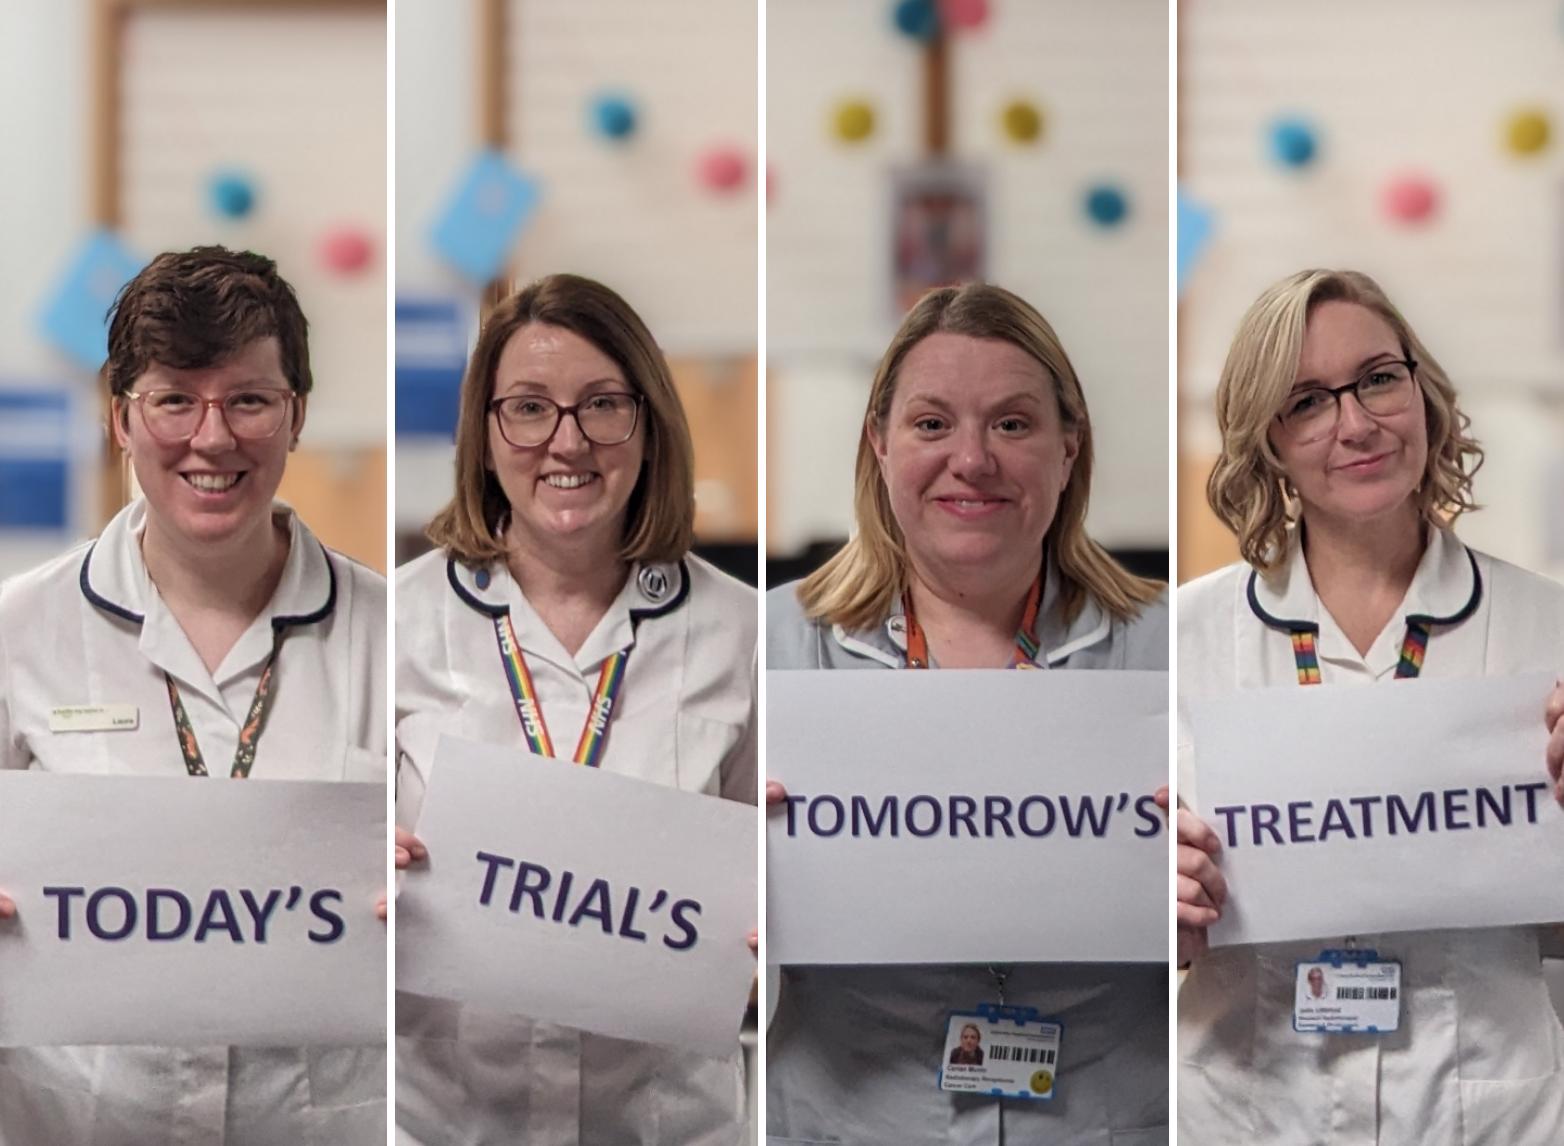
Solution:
(123, 530)
(1440, 586)
(663, 588)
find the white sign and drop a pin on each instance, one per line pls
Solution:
(967, 816)
(168, 911)
(1400, 806)
(580, 897)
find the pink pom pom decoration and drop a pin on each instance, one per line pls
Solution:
(1411, 199)
(722, 169)
(346, 250)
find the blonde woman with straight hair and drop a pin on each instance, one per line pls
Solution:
(566, 547)
(974, 472)
(1345, 463)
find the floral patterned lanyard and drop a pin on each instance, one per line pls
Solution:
(249, 734)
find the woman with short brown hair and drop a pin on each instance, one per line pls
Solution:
(246, 649)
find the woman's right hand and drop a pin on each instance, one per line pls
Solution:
(409, 848)
(7, 907)
(1202, 890)
(775, 794)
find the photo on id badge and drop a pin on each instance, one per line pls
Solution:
(1008, 1052)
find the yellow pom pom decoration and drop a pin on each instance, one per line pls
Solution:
(854, 121)
(1528, 132)
(1022, 122)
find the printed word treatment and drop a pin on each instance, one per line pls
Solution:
(977, 817)
(1447, 809)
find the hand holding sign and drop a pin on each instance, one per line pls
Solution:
(408, 848)
(7, 908)
(1368, 789)
(152, 910)
(1201, 887)
(626, 902)
(1033, 796)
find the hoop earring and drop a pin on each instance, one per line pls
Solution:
(1292, 504)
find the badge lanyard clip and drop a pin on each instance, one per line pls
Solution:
(1001, 976)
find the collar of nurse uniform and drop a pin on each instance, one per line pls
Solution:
(1056, 641)
(1445, 590)
(651, 590)
(114, 578)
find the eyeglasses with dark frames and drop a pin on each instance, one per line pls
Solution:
(530, 420)
(174, 416)
(1383, 389)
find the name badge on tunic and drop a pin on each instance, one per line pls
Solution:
(1348, 992)
(1008, 1052)
(94, 718)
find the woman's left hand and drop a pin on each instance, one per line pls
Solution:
(7, 908)
(1553, 717)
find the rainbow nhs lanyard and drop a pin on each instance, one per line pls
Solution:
(529, 709)
(1414, 647)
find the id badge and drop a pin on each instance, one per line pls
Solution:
(1348, 992)
(94, 718)
(1005, 1051)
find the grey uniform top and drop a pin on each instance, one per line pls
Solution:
(854, 1052)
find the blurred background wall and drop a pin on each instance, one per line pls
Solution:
(610, 138)
(1416, 140)
(136, 126)
(1025, 143)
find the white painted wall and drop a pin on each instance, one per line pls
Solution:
(1397, 85)
(43, 103)
(43, 199)
(1098, 69)
(632, 215)
(298, 98)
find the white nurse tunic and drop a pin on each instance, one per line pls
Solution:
(90, 628)
(1479, 1057)
(685, 718)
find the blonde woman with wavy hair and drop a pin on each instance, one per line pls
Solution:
(974, 471)
(1345, 462)
(1248, 488)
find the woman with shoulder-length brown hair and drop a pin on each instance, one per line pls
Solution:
(568, 540)
(973, 476)
(1345, 462)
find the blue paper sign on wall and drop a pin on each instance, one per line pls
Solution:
(480, 225)
(75, 318)
(35, 459)
(1195, 225)
(431, 354)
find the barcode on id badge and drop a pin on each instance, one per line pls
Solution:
(1364, 993)
(1010, 1052)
